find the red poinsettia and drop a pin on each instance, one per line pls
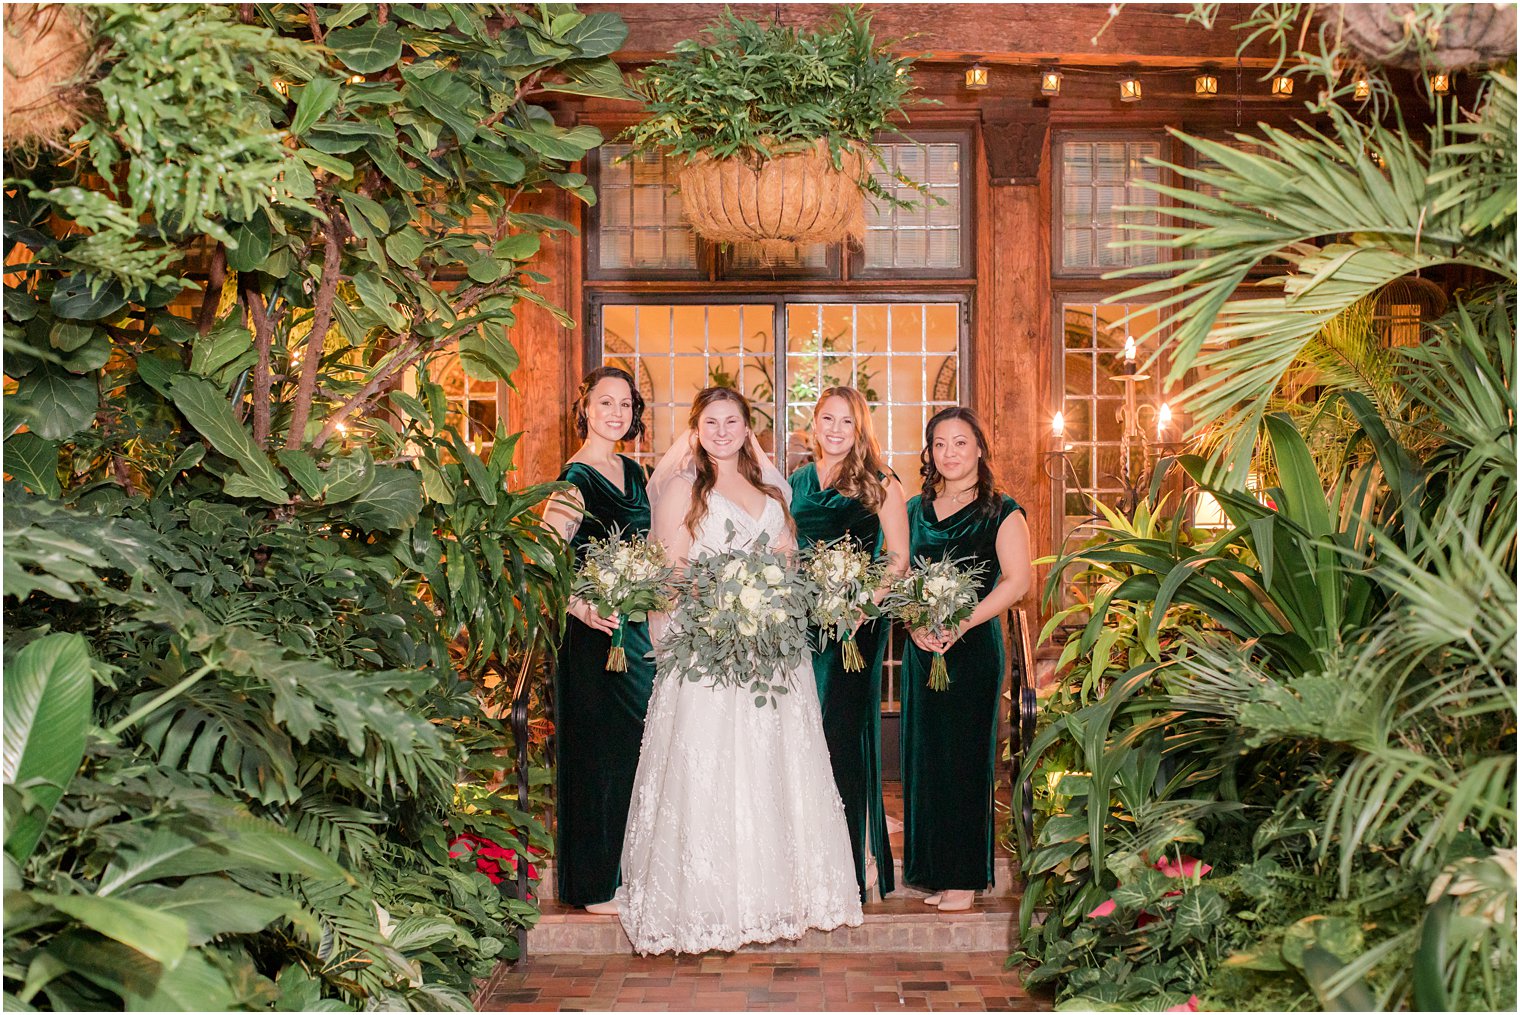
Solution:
(489, 857)
(1191, 1004)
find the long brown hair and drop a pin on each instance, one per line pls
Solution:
(859, 473)
(986, 487)
(707, 469)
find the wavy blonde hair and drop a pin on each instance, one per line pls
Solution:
(860, 473)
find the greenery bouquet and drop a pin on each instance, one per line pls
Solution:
(742, 620)
(935, 596)
(627, 577)
(847, 578)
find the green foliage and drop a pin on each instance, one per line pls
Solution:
(252, 585)
(1318, 702)
(754, 91)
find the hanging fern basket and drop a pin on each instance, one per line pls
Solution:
(1466, 34)
(46, 49)
(782, 203)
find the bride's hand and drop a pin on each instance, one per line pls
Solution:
(586, 614)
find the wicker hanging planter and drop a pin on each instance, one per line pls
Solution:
(785, 202)
(46, 49)
(1470, 33)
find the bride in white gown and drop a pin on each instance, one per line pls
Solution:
(736, 833)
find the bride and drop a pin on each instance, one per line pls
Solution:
(736, 833)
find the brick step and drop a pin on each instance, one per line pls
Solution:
(899, 924)
(1004, 880)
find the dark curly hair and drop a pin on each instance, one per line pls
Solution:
(986, 487)
(588, 384)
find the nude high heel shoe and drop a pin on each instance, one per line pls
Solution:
(956, 901)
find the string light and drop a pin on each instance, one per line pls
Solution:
(1130, 90)
(976, 77)
(1050, 81)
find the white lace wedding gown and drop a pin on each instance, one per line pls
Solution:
(736, 833)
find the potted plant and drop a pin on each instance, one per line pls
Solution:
(776, 127)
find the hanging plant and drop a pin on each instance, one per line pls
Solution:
(776, 127)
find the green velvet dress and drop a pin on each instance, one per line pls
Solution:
(949, 737)
(601, 713)
(851, 702)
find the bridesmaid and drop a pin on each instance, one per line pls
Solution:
(847, 490)
(601, 713)
(949, 743)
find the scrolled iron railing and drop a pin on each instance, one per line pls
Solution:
(517, 717)
(1023, 711)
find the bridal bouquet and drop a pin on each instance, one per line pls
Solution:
(741, 620)
(847, 578)
(935, 596)
(626, 577)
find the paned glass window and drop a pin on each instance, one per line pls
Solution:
(929, 235)
(473, 403)
(1111, 419)
(1098, 177)
(639, 222)
(903, 356)
(676, 350)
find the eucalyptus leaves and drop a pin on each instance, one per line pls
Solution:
(847, 579)
(742, 620)
(626, 577)
(935, 596)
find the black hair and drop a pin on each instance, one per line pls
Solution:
(986, 486)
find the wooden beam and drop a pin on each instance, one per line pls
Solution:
(995, 33)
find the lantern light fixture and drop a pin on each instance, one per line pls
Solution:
(357, 79)
(976, 77)
(1440, 82)
(1205, 85)
(1282, 86)
(1050, 81)
(1130, 90)
(281, 87)
(1362, 89)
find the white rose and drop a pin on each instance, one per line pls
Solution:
(773, 574)
(748, 628)
(750, 599)
(777, 616)
(732, 569)
(727, 601)
(606, 575)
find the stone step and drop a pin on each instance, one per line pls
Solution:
(1004, 883)
(899, 924)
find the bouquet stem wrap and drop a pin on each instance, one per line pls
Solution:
(854, 662)
(939, 673)
(617, 656)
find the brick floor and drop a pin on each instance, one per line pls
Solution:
(759, 982)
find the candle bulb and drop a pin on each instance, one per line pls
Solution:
(1058, 425)
(1163, 420)
(1129, 354)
